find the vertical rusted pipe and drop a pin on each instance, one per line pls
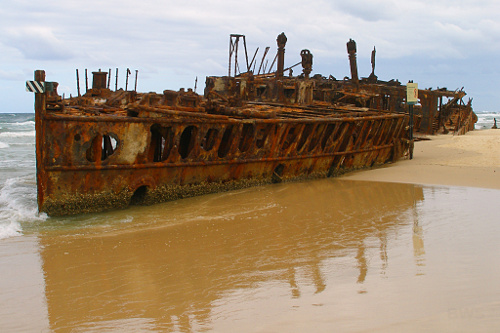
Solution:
(126, 80)
(236, 67)
(86, 81)
(351, 50)
(281, 40)
(116, 80)
(78, 82)
(39, 126)
(135, 85)
(230, 55)
(109, 78)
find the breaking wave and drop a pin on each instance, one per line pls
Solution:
(485, 119)
(18, 206)
(17, 134)
(24, 123)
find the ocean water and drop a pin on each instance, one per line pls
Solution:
(324, 255)
(485, 119)
(18, 207)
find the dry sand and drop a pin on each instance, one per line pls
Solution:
(471, 160)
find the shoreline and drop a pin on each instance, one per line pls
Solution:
(471, 160)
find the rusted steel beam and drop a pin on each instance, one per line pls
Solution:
(263, 58)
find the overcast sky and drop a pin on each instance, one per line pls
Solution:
(436, 43)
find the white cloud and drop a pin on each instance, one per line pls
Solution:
(372, 11)
(171, 42)
(37, 42)
(11, 75)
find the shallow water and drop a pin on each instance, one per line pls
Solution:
(326, 255)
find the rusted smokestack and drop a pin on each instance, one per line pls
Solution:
(351, 50)
(281, 40)
(99, 80)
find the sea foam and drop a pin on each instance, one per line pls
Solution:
(17, 134)
(24, 123)
(18, 206)
(485, 119)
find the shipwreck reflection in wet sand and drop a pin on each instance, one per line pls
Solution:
(182, 261)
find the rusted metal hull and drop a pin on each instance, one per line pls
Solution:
(159, 158)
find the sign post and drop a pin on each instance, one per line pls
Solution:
(411, 99)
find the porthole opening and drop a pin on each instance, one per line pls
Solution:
(247, 136)
(315, 137)
(102, 147)
(304, 136)
(161, 142)
(209, 139)
(290, 137)
(261, 135)
(186, 144)
(329, 131)
(225, 144)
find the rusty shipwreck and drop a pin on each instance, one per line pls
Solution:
(108, 149)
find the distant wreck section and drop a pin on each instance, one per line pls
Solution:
(108, 149)
(438, 111)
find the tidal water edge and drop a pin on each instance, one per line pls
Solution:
(352, 256)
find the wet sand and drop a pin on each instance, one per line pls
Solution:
(318, 256)
(466, 160)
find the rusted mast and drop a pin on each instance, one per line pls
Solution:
(40, 99)
(351, 50)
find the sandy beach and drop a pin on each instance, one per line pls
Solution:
(373, 251)
(471, 160)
